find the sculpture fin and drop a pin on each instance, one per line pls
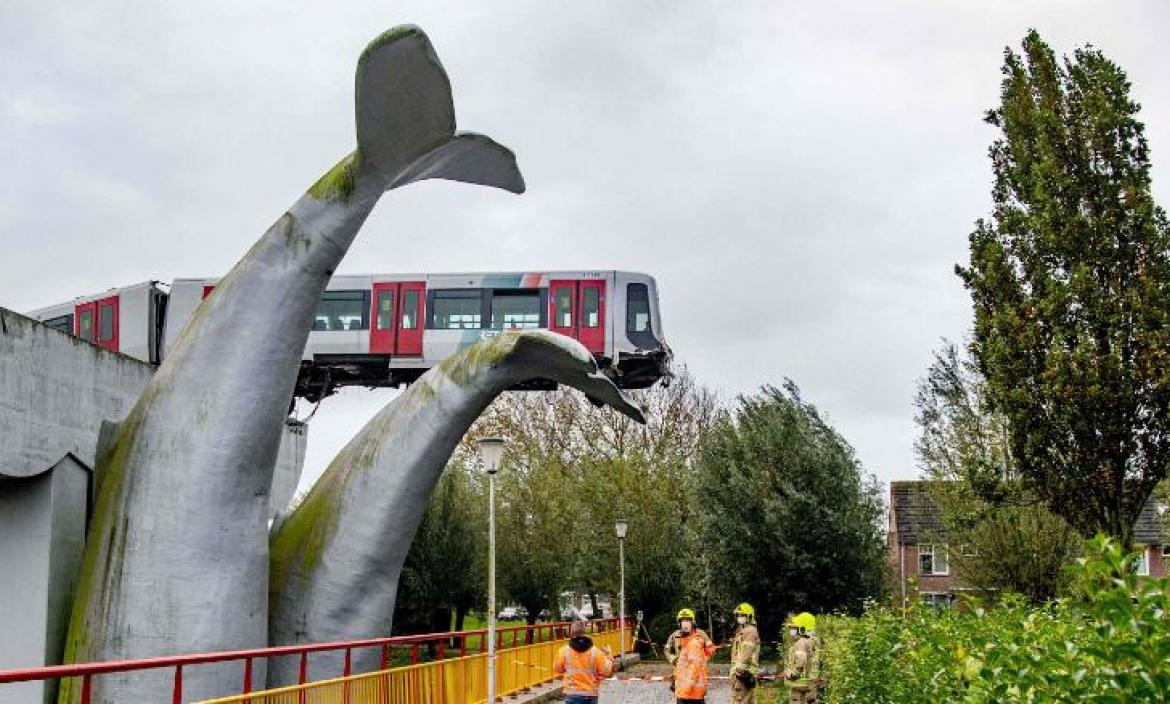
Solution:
(406, 119)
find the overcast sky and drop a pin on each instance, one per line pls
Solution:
(800, 177)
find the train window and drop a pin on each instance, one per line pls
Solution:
(457, 309)
(64, 323)
(564, 302)
(637, 308)
(385, 309)
(343, 310)
(409, 309)
(85, 324)
(105, 322)
(590, 307)
(515, 308)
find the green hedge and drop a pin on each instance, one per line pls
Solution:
(1109, 641)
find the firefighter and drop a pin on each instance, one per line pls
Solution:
(745, 656)
(582, 666)
(802, 668)
(688, 649)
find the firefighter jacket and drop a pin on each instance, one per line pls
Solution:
(802, 667)
(689, 653)
(745, 650)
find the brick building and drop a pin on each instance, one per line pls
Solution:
(920, 554)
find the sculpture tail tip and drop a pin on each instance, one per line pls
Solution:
(406, 119)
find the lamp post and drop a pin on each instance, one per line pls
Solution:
(490, 450)
(620, 526)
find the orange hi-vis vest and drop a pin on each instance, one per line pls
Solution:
(690, 670)
(582, 672)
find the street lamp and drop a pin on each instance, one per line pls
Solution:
(620, 526)
(490, 450)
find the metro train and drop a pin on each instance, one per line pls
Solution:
(387, 329)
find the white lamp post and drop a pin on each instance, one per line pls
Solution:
(491, 449)
(620, 527)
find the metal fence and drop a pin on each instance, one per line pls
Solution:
(456, 681)
(397, 648)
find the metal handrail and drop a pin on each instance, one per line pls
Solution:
(88, 670)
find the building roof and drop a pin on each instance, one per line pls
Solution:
(916, 517)
(1150, 527)
(915, 514)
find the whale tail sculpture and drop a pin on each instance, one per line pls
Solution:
(406, 125)
(336, 559)
(177, 554)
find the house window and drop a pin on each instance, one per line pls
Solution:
(932, 559)
(1166, 551)
(937, 600)
(968, 550)
(1141, 563)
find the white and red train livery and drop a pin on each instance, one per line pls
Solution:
(387, 329)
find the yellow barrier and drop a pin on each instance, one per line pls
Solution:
(455, 681)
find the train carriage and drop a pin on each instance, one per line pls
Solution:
(387, 329)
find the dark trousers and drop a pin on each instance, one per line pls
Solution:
(692, 701)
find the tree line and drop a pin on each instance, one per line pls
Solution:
(758, 500)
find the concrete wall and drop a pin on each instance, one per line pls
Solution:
(55, 392)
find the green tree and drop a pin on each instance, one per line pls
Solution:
(444, 575)
(790, 521)
(1070, 279)
(1001, 539)
(577, 469)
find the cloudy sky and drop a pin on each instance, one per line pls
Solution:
(800, 177)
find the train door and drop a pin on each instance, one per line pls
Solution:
(562, 302)
(107, 323)
(591, 320)
(577, 310)
(410, 317)
(383, 318)
(396, 319)
(86, 317)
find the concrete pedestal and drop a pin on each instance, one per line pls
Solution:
(42, 539)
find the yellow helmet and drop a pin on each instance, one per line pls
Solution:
(745, 609)
(803, 620)
(685, 613)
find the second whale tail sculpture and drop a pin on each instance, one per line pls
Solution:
(337, 557)
(177, 556)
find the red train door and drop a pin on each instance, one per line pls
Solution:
(591, 321)
(577, 310)
(85, 319)
(383, 318)
(562, 307)
(410, 317)
(396, 318)
(106, 328)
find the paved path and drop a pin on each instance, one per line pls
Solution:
(657, 692)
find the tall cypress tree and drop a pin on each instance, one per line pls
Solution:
(1070, 280)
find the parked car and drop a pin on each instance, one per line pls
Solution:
(508, 613)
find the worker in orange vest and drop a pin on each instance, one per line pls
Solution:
(582, 666)
(688, 649)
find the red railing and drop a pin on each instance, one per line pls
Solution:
(505, 637)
